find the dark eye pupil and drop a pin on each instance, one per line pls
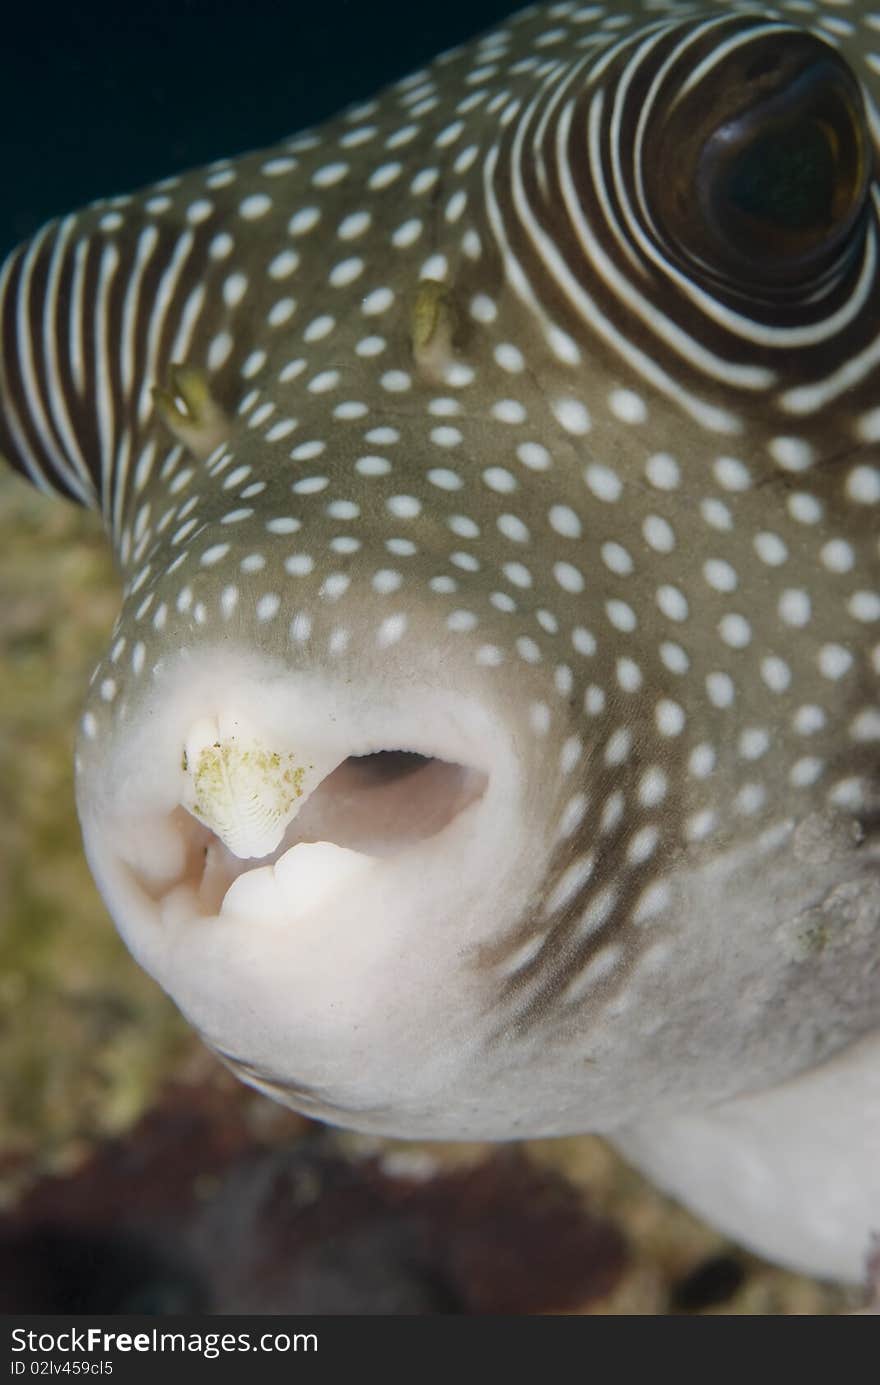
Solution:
(786, 179)
(759, 177)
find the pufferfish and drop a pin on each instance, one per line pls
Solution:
(488, 742)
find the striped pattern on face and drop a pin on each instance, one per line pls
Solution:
(475, 389)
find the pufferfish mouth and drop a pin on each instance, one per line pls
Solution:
(274, 846)
(234, 817)
(369, 807)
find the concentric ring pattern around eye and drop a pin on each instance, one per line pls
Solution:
(701, 175)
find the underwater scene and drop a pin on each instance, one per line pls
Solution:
(137, 1173)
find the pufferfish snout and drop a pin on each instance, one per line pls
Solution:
(488, 742)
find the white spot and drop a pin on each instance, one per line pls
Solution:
(234, 289)
(565, 522)
(584, 641)
(384, 176)
(616, 558)
(618, 747)
(750, 799)
(663, 471)
(643, 844)
(653, 901)
(408, 233)
(653, 787)
(720, 575)
(395, 381)
(345, 273)
(628, 406)
(404, 506)
(775, 673)
(372, 466)
(793, 454)
(701, 825)
(864, 606)
(534, 456)
(268, 606)
(513, 528)
(834, 661)
(518, 574)
(302, 221)
(674, 657)
(672, 602)
(720, 689)
(838, 556)
(794, 607)
(461, 621)
(806, 771)
(392, 629)
(482, 308)
(621, 615)
(528, 650)
(509, 411)
(386, 580)
(770, 548)
(379, 301)
(809, 719)
(866, 726)
(603, 482)
(863, 485)
(445, 436)
(509, 357)
(731, 474)
(669, 717)
(569, 577)
(754, 742)
(716, 513)
(658, 534)
(325, 381)
(330, 174)
(572, 415)
(805, 508)
(500, 480)
(299, 564)
(569, 884)
(735, 630)
(354, 225)
(702, 760)
(255, 206)
(343, 509)
(445, 479)
(215, 554)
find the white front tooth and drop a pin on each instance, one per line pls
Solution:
(245, 791)
(255, 897)
(309, 873)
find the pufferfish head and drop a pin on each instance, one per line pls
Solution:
(488, 741)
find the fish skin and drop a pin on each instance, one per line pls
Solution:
(427, 483)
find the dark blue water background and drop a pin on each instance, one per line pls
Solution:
(98, 99)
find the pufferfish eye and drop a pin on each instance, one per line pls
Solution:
(760, 173)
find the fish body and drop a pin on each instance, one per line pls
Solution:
(488, 742)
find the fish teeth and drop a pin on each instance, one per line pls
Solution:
(247, 793)
(297, 884)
